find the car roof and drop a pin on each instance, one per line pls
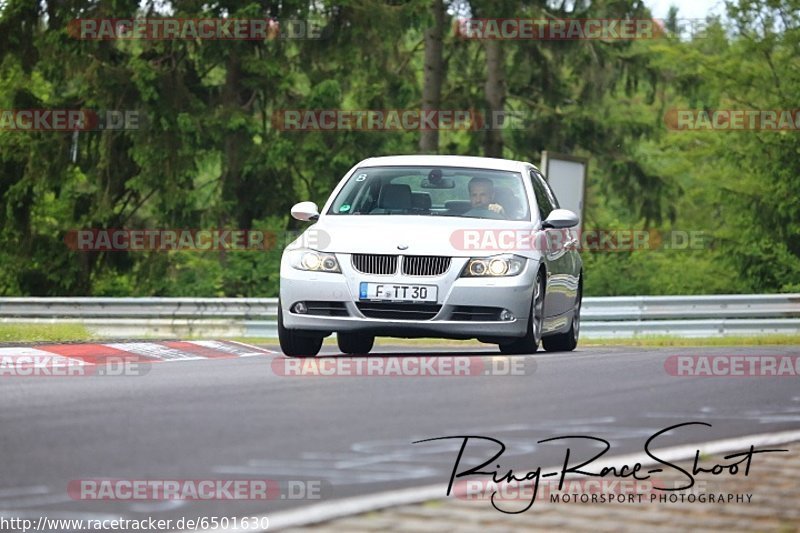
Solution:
(489, 163)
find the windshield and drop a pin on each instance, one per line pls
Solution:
(433, 191)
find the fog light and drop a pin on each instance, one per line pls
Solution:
(300, 308)
(506, 315)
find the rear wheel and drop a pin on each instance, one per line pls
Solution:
(355, 343)
(566, 342)
(295, 343)
(530, 342)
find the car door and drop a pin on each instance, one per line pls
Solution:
(556, 247)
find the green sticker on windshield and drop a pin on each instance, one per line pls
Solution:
(345, 208)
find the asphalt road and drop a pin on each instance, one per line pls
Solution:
(344, 435)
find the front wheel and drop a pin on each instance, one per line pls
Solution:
(530, 342)
(566, 342)
(355, 343)
(294, 343)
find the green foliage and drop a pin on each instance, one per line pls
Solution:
(207, 156)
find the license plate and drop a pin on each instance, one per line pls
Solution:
(397, 292)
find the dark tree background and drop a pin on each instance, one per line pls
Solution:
(207, 156)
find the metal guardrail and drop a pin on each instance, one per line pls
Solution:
(153, 317)
(691, 316)
(622, 316)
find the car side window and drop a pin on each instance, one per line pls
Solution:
(544, 197)
(551, 197)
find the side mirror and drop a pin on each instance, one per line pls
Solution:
(560, 218)
(305, 211)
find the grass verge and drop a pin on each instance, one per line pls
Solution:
(43, 332)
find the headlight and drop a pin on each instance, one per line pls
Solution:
(496, 266)
(313, 261)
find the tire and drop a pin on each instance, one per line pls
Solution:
(530, 342)
(294, 343)
(566, 342)
(355, 343)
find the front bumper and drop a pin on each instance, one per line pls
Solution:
(455, 294)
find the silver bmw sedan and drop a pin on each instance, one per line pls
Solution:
(433, 246)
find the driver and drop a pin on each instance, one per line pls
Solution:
(481, 194)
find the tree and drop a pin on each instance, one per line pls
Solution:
(434, 73)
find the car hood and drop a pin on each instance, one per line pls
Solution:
(384, 234)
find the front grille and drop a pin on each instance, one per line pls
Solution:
(394, 311)
(473, 313)
(425, 265)
(375, 264)
(413, 265)
(326, 308)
